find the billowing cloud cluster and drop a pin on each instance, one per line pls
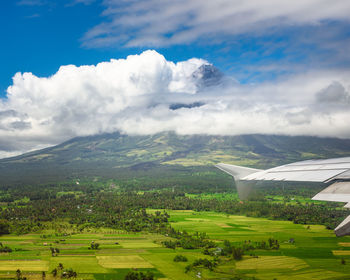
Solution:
(146, 94)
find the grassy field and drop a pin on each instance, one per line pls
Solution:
(315, 254)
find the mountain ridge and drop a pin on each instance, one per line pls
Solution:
(109, 153)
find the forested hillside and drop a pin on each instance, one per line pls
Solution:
(122, 156)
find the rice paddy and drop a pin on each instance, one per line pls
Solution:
(306, 252)
(128, 261)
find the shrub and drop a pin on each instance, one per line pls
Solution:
(237, 253)
(132, 275)
(180, 258)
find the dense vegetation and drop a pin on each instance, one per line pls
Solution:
(70, 209)
(130, 185)
(28, 209)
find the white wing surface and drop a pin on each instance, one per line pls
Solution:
(333, 172)
(305, 171)
(236, 171)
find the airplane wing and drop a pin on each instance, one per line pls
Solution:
(332, 172)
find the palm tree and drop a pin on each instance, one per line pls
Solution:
(54, 272)
(18, 274)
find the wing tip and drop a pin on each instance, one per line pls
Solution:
(343, 228)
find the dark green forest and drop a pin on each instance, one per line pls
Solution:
(33, 208)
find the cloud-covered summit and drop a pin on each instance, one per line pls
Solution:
(136, 95)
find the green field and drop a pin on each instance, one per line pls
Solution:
(315, 254)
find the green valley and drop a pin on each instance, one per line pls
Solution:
(125, 207)
(305, 252)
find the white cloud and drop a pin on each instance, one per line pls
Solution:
(77, 2)
(30, 3)
(334, 94)
(168, 22)
(133, 96)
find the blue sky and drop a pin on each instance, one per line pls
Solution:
(39, 36)
(285, 65)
